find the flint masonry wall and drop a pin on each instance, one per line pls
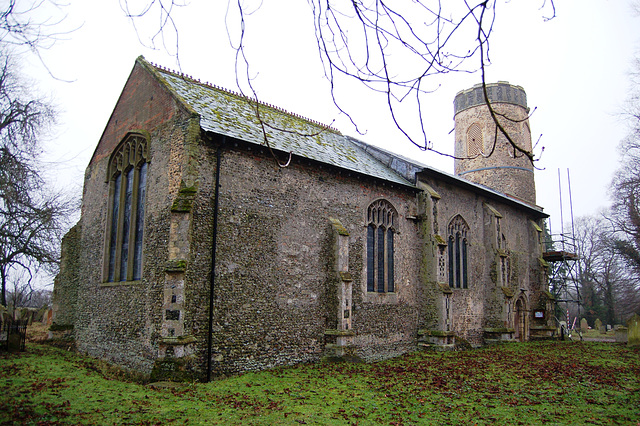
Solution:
(274, 287)
(121, 321)
(65, 293)
(485, 304)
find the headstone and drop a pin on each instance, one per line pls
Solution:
(562, 330)
(584, 325)
(633, 330)
(609, 328)
(600, 327)
(621, 334)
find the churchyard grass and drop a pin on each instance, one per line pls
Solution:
(532, 383)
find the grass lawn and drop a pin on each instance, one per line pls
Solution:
(516, 383)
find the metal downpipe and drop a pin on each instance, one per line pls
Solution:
(213, 255)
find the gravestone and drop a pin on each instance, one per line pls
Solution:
(598, 326)
(584, 325)
(562, 331)
(633, 330)
(621, 334)
(47, 318)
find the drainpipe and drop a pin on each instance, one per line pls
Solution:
(213, 255)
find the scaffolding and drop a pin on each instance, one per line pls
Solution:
(561, 254)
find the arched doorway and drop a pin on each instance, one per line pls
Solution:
(520, 320)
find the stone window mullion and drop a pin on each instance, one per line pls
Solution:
(119, 226)
(112, 220)
(132, 222)
(380, 255)
(139, 221)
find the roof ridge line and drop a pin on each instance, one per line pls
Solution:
(191, 79)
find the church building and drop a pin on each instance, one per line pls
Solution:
(219, 235)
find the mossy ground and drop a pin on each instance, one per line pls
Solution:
(518, 383)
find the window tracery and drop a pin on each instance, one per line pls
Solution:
(127, 181)
(458, 252)
(382, 225)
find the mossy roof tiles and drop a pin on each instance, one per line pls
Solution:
(232, 115)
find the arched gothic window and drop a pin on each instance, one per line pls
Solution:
(458, 252)
(125, 219)
(382, 224)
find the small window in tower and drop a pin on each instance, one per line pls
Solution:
(475, 145)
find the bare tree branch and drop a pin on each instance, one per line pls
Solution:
(397, 49)
(21, 26)
(32, 217)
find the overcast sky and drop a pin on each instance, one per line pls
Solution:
(574, 69)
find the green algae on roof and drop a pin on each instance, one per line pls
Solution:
(233, 115)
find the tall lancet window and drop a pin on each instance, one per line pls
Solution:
(125, 222)
(382, 225)
(458, 248)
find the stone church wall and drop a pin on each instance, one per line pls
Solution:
(121, 321)
(274, 296)
(497, 270)
(65, 293)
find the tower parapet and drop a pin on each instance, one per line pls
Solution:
(485, 156)
(501, 91)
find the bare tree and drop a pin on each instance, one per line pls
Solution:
(395, 48)
(605, 280)
(626, 203)
(32, 216)
(22, 294)
(34, 25)
(625, 210)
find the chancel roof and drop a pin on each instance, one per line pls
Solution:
(233, 115)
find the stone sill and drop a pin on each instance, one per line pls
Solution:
(120, 283)
(436, 333)
(178, 340)
(436, 347)
(340, 333)
(496, 341)
(542, 327)
(499, 330)
(333, 346)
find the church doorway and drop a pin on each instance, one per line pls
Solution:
(520, 320)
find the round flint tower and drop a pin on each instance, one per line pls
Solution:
(486, 157)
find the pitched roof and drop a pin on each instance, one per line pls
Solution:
(233, 115)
